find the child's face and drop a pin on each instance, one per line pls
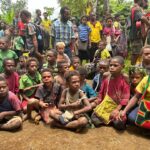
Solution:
(3, 89)
(22, 62)
(47, 78)
(3, 45)
(115, 67)
(102, 45)
(32, 67)
(50, 57)
(74, 83)
(103, 67)
(109, 22)
(64, 68)
(135, 78)
(9, 66)
(146, 56)
(84, 20)
(60, 49)
(76, 63)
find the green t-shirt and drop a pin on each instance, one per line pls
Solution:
(26, 81)
(6, 54)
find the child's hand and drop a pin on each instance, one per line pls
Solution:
(43, 105)
(114, 114)
(122, 115)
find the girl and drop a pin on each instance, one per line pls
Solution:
(113, 96)
(84, 31)
(73, 104)
(109, 32)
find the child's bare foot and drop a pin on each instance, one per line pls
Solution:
(37, 119)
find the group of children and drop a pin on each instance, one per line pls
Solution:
(59, 94)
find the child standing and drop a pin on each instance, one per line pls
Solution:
(84, 31)
(10, 108)
(18, 43)
(29, 82)
(73, 105)
(112, 97)
(5, 52)
(11, 76)
(61, 56)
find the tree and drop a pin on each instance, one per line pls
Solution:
(49, 10)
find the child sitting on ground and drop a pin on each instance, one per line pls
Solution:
(48, 96)
(136, 74)
(29, 82)
(113, 96)
(85, 87)
(5, 52)
(10, 75)
(62, 69)
(73, 105)
(75, 63)
(103, 67)
(21, 66)
(61, 56)
(140, 113)
(102, 52)
(10, 108)
(51, 56)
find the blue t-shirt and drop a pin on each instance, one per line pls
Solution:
(84, 31)
(88, 90)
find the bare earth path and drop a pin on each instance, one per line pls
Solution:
(39, 137)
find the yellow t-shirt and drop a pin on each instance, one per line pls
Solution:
(95, 32)
(46, 24)
(71, 68)
(140, 87)
(105, 54)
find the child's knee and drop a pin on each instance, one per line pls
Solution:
(83, 121)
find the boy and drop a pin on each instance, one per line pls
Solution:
(60, 78)
(75, 63)
(11, 76)
(51, 62)
(5, 52)
(10, 108)
(29, 82)
(48, 96)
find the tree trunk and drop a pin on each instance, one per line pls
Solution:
(106, 7)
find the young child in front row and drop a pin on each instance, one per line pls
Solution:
(73, 105)
(113, 96)
(48, 96)
(29, 82)
(10, 108)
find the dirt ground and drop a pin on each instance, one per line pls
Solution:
(40, 137)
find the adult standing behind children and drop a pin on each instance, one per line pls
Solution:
(30, 35)
(95, 35)
(62, 31)
(136, 38)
